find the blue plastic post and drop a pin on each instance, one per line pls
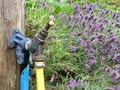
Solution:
(24, 78)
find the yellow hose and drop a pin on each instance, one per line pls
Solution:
(40, 78)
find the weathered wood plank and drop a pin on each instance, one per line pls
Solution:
(11, 15)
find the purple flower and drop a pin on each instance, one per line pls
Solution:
(72, 48)
(45, 4)
(87, 67)
(113, 49)
(90, 52)
(93, 27)
(118, 41)
(107, 11)
(117, 67)
(72, 34)
(72, 83)
(95, 19)
(109, 30)
(79, 17)
(92, 16)
(86, 18)
(76, 25)
(103, 6)
(80, 83)
(81, 42)
(76, 7)
(69, 1)
(101, 38)
(90, 61)
(116, 87)
(84, 24)
(104, 51)
(118, 25)
(111, 38)
(55, 36)
(84, 7)
(116, 58)
(98, 79)
(90, 7)
(55, 28)
(102, 15)
(70, 18)
(115, 76)
(89, 44)
(114, 15)
(80, 33)
(102, 58)
(106, 69)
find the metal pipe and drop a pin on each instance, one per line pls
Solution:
(24, 77)
(36, 44)
(40, 75)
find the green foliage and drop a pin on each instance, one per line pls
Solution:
(61, 64)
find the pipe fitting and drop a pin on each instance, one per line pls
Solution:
(39, 64)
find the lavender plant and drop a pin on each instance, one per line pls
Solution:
(91, 37)
(82, 50)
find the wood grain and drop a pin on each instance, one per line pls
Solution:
(11, 15)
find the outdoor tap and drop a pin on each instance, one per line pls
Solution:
(24, 49)
(25, 46)
(39, 38)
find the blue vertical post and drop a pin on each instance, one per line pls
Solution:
(24, 78)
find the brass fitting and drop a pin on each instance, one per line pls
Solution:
(40, 58)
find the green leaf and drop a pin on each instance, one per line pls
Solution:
(57, 10)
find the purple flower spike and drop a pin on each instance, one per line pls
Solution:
(98, 79)
(114, 15)
(102, 15)
(117, 67)
(116, 87)
(107, 11)
(55, 36)
(90, 7)
(80, 83)
(55, 28)
(118, 25)
(69, 1)
(87, 67)
(72, 48)
(113, 49)
(45, 5)
(101, 37)
(116, 58)
(82, 43)
(118, 41)
(106, 69)
(72, 83)
(92, 16)
(76, 7)
(79, 17)
(115, 76)
(84, 24)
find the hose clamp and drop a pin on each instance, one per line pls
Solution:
(39, 64)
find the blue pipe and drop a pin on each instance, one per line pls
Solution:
(24, 78)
